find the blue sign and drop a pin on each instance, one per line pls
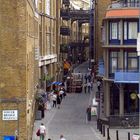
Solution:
(8, 137)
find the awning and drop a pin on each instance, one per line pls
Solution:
(56, 83)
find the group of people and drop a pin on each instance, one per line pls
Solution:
(55, 97)
(41, 132)
(87, 83)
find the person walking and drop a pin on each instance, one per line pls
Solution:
(85, 87)
(85, 77)
(89, 86)
(88, 113)
(61, 94)
(42, 129)
(58, 101)
(54, 97)
(62, 137)
(98, 85)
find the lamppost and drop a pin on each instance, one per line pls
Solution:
(138, 53)
(91, 27)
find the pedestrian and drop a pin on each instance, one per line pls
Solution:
(54, 97)
(58, 101)
(42, 129)
(89, 77)
(88, 113)
(41, 107)
(89, 86)
(61, 94)
(85, 87)
(98, 85)
(85, 77)
(62, 137)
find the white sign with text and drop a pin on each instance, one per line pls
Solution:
(8, 115)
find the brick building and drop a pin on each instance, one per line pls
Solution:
(18, 67)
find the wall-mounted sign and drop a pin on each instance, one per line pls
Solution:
(8, 137)
(8, 115)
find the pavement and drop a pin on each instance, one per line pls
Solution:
(70, 119)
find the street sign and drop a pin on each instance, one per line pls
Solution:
(8, 137)
(8, 115)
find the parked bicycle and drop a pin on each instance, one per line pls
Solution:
(125, 123)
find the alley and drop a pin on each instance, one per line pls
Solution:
(70, 119)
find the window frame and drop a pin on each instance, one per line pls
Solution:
(111, 40)
(126, 61)
(111, 74)
(126, 40)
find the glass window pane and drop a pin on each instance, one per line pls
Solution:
(132, 27)
(114, 65)
(132, 54)
(113, 54)
(132, 64)
(114, 31)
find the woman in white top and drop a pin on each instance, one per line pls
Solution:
(42, 131)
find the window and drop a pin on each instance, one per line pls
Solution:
(131, 61)
(113, 31)
(114, 36)
(130, 32)
(113, 64)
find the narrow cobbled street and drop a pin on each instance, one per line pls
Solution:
(70, 119)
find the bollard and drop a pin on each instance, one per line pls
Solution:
(103, 130)
(117, 135)
(108, 137)
(97, 124)
(128, 135)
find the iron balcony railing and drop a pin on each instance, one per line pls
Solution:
(121, 4)
(65, 30)
(126, 76)
(65, 14)
(66, 2)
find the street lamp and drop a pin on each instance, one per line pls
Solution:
(138, 53)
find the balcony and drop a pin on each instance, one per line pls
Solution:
(64, 30)
(80, 14)
(122, 10)
(66, 2)
(121, 4)
(123, 76)
(65, 14)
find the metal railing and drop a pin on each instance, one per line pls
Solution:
(125, 121)
(117, 5)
